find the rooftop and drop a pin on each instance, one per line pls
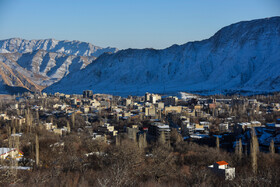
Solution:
(161, 125)
(222, 163)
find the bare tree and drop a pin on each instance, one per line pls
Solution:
(73, 119)
(271, 147)
(37, 149)
(162, 138)
(240, 148)
(254, 151)
(217, 142)
(68, 127)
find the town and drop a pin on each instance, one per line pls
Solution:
(159, 138)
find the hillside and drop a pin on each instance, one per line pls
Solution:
(241, 57)
(36, 64)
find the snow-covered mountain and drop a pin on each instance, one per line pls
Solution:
(244, 56)
(75, 47)
(39, 68)
(34, 64)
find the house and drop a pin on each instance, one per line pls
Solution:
(85, 109)
(14, 106)
(199, 127)
(239, 128)
(222, 169)
(223, 127)
(4, 117)
(277, 123)
(58, 131)
(107, 129)
(6, 153)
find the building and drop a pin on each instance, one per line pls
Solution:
(85, 109)
(277, 123)
(223, 127)
(171, 101)
(150, 111)
(87, 94)
(147, 97)
(152, 98)
(127, 102)
(157, 128)
(222, 169)
(173, 109)
(58, 131)
(107, 129)
(159, 105)
(6, 153)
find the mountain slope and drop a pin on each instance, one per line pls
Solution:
(76, 48)
(44, 68)
(12, 78)
(36, 64)
(243, 56)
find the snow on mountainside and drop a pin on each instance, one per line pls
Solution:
(44, 68)
(243, 56)
(76, 48)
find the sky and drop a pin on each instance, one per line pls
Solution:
(127, 23)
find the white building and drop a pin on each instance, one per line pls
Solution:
(222, 169)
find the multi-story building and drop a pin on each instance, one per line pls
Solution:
(157, 128)
(171, 101)
(150, 111)
(87, 94)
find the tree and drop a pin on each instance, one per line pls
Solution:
(37, 149)
(118, 140)
(73, 119)
(254, 151)
(240, 148)
(271, 147)
(68, 127)
(142, 142)
(162, 138)
(217, 142)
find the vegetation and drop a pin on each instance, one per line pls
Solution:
(75, 159)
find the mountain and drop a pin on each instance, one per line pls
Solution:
(242, 57)
(32, 65)
(75, 47)
(38, 68)
(13, 81)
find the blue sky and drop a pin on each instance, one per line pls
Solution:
(127, 23)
